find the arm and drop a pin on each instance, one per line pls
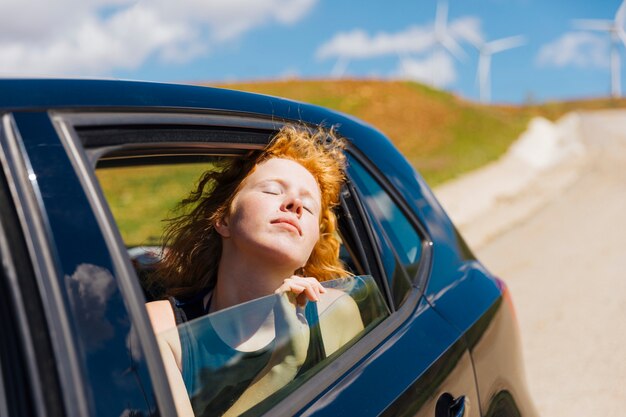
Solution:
(164, 325)
(175, 379)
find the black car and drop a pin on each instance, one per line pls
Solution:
(90, 169)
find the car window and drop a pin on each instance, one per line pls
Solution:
(395, 232)
(248, 357)
(142, 192)
(142, 197)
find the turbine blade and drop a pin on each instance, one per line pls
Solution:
(339, 68)
(505, 43)
(477, 78)
(453, 47)
(484, 63)
(620, 15)
(441, 16)
(487, 93)
(474, 39)
(403, 58)
(593, 24)
(622, 35)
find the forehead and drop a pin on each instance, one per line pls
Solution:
(287, 171)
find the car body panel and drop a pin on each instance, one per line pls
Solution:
(424, 366)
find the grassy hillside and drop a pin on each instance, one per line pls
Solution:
(441, 134)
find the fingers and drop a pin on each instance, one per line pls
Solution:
(305, 288)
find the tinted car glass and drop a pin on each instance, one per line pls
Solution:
(15, 387)
(399, 233)
(250, 356)
(398, 228)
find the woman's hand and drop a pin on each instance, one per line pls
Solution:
(303, 288)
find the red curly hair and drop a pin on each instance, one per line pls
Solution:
(192, 246)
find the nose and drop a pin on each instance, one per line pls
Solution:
(294, 205)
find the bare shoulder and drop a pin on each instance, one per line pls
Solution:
(161, 315)
(162, 319)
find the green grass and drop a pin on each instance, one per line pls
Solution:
(140, 198)
(440, 134)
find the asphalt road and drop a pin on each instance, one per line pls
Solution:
(565, 265)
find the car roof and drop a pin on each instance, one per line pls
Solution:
(100, 94)
(25, 94)
(19, 94)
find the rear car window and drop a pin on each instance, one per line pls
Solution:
(223, 370)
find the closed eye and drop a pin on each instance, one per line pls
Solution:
(271, 189)
(308, 205)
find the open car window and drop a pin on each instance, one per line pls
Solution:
(143, 194)
(248, 357)
(143, 190)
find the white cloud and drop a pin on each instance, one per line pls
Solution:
(357, 44)
(20, 23)
(433, 66)
(227, 19)
(436, 69)
(90, 289)
(468, 28)
(99, 36)
(580, 49)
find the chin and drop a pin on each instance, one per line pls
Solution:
(284, 255)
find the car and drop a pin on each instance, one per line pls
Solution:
(90, 168)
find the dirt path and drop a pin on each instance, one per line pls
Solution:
(566, 268)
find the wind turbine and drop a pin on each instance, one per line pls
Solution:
(442, 36)
(615, 28)
(339, 69)
(485, 51)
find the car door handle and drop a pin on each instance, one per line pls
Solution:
(448, 406)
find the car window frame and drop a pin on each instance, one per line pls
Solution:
(420, 278)
(19, 352)
(85, 158)
(366, 237)
(42, 321)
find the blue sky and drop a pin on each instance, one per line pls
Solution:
(242, 40)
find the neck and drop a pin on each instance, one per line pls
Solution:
(239, 281)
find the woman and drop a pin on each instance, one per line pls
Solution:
(263, 225)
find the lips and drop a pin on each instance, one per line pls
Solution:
(291, 222)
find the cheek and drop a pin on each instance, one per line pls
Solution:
(250, 210)
(313, 231)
